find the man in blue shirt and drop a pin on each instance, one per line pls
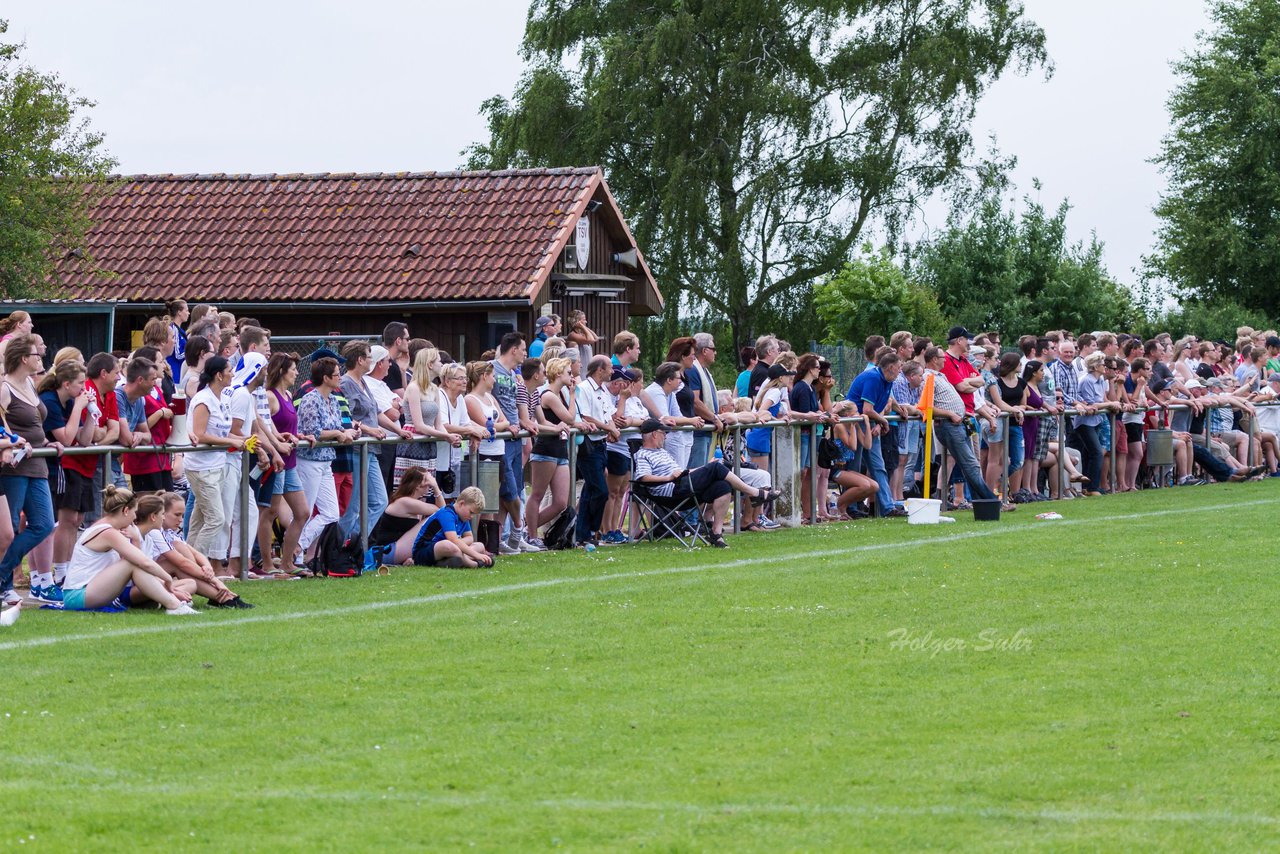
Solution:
(545, 327)
(871, 391)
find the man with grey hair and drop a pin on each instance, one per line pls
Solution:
(698, 379)
(766, 351)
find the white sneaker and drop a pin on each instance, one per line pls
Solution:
(505, 548)
(181, 611)
(534, 545)
(10, 615)
(11, 597)
(527, 546)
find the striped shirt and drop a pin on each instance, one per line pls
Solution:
(657, 462)
(904, 393)
(945, 395)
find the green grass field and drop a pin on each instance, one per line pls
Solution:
(1105, 681)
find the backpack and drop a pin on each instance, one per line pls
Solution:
(560, 533)
(336, 556)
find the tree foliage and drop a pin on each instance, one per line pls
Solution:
(872, 296)
(1220, 217)
(51, 166)
(993, 268)
(751, 141)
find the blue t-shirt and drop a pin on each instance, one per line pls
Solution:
(743, 383)
(133, 413)
(441, 522)
(535, 347)
(870, 386)
(56, 414)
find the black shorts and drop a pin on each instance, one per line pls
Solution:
(616, 464)
(424, 554)
(1133, 433)
(156, 481)
(76, 492)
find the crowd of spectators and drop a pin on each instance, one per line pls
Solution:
(164, 526)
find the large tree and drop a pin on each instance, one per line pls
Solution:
(995, 268)
(751, 141)
(51, 168)
(1220, 217)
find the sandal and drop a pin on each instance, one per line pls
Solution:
(763, 496)
(963, 505)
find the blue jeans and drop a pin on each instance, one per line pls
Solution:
(595, 491)
(1017, 447)
(875, 463)
(953, 438)
(349, 524)
(28, 495)
(701, 449)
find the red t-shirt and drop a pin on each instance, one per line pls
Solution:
(956, 371)
(151, 463)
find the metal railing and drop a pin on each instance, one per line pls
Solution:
(736, 431)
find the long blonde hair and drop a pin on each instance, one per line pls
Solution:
(423, 374)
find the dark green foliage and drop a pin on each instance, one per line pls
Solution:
(750, 141)
(1220, 218)
(51, 167)
(872, 296)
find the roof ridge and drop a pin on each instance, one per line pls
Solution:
(350, 176)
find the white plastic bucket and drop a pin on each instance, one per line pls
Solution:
(923, 511)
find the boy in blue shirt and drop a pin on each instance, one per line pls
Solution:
(446, 540)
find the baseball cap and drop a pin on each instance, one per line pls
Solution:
(1193, 383)
(651, 425)
(325, 353)
(377, 353)
(543, 322)
(621, 373)
(957, 332)
(778, 372)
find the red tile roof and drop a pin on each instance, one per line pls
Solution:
(382, 236)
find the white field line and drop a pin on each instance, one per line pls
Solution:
(175, 624)
(479, 799)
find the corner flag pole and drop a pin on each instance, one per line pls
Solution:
(926, 404)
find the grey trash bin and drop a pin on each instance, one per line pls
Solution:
(1160, 447)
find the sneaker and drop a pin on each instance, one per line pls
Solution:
(50, 594)
(526, 546)
(854, 512)
(533, 544)
(11, 597)
(768, 524)
(240, 603)
(896, 513)
(9, 616)
(182, 610)
(506, 549)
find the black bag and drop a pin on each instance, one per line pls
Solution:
(490, 532)
(336, 556)
(561, 533)
(828, 453)
(447, 481)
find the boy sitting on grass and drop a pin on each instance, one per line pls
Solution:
(446, 540)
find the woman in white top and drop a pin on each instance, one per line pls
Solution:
(210, 425)
(482, 408)
(160, 524)
(109, 567)
(631, 412)
(453, 412)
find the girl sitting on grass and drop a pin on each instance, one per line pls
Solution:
(108, 569)
(445, 539)
(416, 499)
(160, 524)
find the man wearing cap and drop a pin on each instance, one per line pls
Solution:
(871, 392)
(596, 407)
(711, 484)
(698, 378)
(545, 327)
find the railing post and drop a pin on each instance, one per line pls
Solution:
(1061, 419)
(573, 470)
(1004, 456)
(364, 494)
(737, 470)
(944, 475)
(1114, 467)
(242, 500)
(813, 475)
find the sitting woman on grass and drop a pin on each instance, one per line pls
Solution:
(446, 540)
(416, 499)
(109, 570)
(160, 524)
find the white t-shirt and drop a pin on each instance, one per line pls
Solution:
(243, 407)
(490, 447)
(219, 425)
(1269, 419)
(154, 544)
(455, 414)
(382, 394)
(633, 408)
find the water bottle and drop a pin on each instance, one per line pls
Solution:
(719, 455)
(488, 425)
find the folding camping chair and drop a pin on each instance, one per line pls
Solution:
(683, 519)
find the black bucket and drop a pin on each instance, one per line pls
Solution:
(986, 509)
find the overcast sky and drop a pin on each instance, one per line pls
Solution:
(390, 86)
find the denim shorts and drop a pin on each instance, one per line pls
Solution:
(286, 481)
(908, 438)
(543, 458)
